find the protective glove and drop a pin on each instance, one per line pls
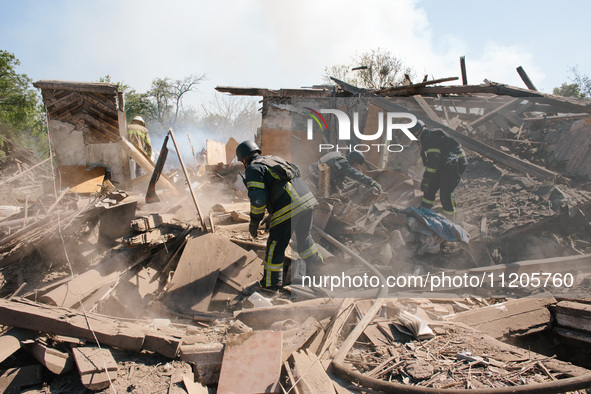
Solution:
(253, 228)
(267, 223)
(377, 187)
(424, 185)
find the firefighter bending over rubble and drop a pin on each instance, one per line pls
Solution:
(341, 168)
(445, 162)
(274, 185)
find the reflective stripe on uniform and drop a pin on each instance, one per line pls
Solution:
(269, 266)
(293, 209)
(431, 170)
(294, 199)
(274, 267)
(309, 252)
(257, 210)
(433, 150)
(136, 132)
(426, 201)
(259, 185)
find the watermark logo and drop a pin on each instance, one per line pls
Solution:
(394, 121)
(317, 117)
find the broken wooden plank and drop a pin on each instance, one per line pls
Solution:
(193, 387)
(525, 78)
(514, 317)
(261, 318)
(251, 363)
(64, 321)
(409, 89)
(137, 156)
(194, 279)
(216, 152)
(310, 374)
(97, 366)
(573, 315)
(244, 272)
(10, 342)
(81, 286)
(294, 342)
(207, 358)
(56, 361)
(192, 192)
(231, 146)
(340, 318)
(463, 70)
(511, 104)
(323, 180)
(427, 108)
(81, 179)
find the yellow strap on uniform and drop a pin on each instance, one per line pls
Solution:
(431, 170)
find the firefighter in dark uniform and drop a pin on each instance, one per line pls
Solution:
(445, 162)
(274, 185)
(341, 168)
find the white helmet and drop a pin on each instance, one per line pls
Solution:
(138, 120)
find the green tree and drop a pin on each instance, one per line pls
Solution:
(582, 81)
(568, 90)
(579, 88)
(374, 69)
(21, 113)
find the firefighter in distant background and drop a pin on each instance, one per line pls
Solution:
(445, 162)
(341, 168)
(274, 185)
(138, 134)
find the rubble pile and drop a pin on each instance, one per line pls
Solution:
(108, 288)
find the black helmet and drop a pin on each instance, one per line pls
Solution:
(417, 129)
(245, 149)
(356, 158)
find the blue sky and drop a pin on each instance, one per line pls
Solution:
(275, 44)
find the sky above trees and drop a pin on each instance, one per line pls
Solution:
(289, 43)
